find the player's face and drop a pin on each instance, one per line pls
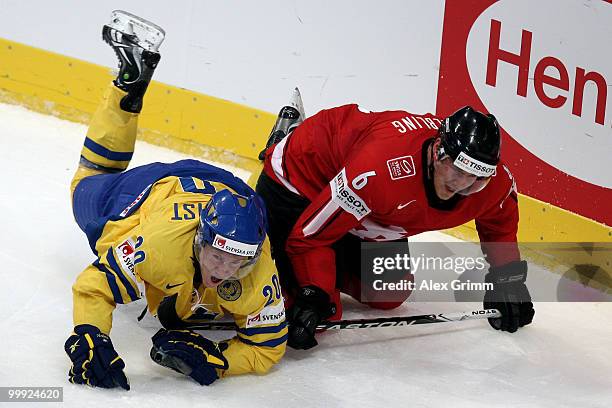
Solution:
(217, 265)
(450, 180)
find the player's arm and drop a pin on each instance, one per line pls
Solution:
(337, 209)
(260, 341)
(498, 226)
(257, 346)
(96, 292)
(255, 350)
(309, 247)
(261, 337)
(93, 301)
(98, 289)
(340, 207)
(497, 229)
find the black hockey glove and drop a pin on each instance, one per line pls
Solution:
(188, 353)
(510, 296)
(94, 359)
(311, 306)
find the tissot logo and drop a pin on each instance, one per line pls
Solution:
(344, 196)
(473, 166)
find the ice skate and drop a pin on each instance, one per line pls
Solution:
(289, 117)
(145, 34)
(136, 43)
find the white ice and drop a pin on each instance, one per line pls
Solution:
(564, 359)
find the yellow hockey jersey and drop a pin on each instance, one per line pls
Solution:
(150, 253)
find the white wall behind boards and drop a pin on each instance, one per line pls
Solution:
(381, 54)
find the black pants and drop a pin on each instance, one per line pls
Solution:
(283, 210)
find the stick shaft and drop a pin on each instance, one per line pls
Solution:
(377, 322)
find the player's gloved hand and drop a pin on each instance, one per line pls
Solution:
(311, 306)
(188, 353)
(510, 296)
(94, 359)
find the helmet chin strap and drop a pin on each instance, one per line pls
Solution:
(435, 154)
(196, 247)
(431, 157)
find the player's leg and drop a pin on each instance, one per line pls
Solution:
(350, 281)
(111, 136)
(283, 207)
(289, 117)
(109, 144)
(283, 210)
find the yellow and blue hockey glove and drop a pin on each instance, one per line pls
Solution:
(188, 353)
(94, 359)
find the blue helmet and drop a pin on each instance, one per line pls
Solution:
(235, 224)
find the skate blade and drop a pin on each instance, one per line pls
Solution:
(148, 35)
(296, 101)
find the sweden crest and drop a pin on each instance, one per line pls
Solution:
(229, 290)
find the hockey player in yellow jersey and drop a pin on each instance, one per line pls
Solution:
(188, 237)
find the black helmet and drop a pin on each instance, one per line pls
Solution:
(470, 133)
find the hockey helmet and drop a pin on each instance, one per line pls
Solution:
(472, 142)
(234, 224)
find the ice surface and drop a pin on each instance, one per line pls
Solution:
(564, 359)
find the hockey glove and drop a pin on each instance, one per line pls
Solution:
(94, 360)
(311, 306)
(510, 296)
(188, 353)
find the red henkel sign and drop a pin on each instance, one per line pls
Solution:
(551, 100)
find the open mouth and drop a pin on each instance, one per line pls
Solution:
(215, 280)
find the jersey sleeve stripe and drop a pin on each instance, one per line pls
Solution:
(112, 282)
(106, 153)
(268, 343)
(279, 167)
(321, 218)
(262, 330)
(127, 282)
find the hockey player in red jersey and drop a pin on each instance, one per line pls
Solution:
(347, 175)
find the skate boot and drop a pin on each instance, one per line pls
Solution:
(136, 42)
(289, 117)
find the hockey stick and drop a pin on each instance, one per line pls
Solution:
(376, 322)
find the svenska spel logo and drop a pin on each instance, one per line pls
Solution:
(220, 242)
(126, 248)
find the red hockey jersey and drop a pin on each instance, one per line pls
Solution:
(365, 174)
